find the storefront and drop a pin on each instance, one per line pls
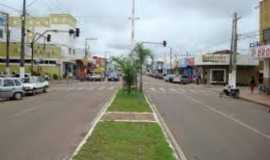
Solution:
(263, 53)
(215, 68)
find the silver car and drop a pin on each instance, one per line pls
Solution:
(11, 88)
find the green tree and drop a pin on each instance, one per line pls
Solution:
(126, 64)
(141, 55)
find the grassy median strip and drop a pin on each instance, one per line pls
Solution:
(126, 141)
(129, 102)
(113, 140)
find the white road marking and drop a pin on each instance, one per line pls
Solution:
(153, 89)
(111, 88)
(101, 88)
(162, 89)
(231, 118)
(25, 111)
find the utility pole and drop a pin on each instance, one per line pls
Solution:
(23, 19)
(233, 56)
(7, 48)
(133, 18)
(171, 50)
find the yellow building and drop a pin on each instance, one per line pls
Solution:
(263, 51)
(265, 21)
(55, 56)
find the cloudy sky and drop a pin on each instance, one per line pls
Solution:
(194, 26)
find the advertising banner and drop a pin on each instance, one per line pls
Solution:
(260, 51)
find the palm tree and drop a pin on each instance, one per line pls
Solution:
(126, 65)
(141, 54)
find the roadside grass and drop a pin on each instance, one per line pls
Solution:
(133, 102)
(126, 141)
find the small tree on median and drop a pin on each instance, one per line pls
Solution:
(141, 55)
(129, 70)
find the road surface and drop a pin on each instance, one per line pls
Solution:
(50, 126)
(208, 127)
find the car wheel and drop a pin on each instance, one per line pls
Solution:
(18, 96)
(34, 92)
(45, 89)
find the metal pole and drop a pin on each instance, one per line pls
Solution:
(32, 57)
(7, 45)
(85, 53)
(23, 19)
(133, 23)
(171, 58)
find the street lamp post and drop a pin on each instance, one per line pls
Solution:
(7, 42)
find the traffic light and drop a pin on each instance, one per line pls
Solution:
(77, 33)
(71, 31)
(49, 38)
(164, 43)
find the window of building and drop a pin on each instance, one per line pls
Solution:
(218, 76)
(266, 35)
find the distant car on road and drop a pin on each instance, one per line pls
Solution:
(113, 77)
(169, 77)
(35, 85)
(95, 77)
(11, 88)
(184, 79)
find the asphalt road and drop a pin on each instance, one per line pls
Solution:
(208, 127)
(50, 126)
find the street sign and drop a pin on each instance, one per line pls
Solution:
(261, 51)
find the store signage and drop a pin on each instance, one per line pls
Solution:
(207, 58)
(261, 51)
(185, 62)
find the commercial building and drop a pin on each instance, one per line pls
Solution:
(263, 50)
(57, 57)
(214, 68)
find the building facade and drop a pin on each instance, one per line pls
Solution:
(215, 68)
(263, 51)
(57, 57)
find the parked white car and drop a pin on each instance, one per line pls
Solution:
(36, 85)
(11, 88)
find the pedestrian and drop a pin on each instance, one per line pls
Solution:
(260, 80)
(252, 84)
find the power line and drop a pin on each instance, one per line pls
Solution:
(32, 3)
(11, 8)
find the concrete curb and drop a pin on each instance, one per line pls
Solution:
(252, 101)
(94, 124)
(178, 152)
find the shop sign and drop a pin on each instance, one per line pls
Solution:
(185, 62)
(219, 59)
(261, 51)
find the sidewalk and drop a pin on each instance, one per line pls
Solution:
(256, 97)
